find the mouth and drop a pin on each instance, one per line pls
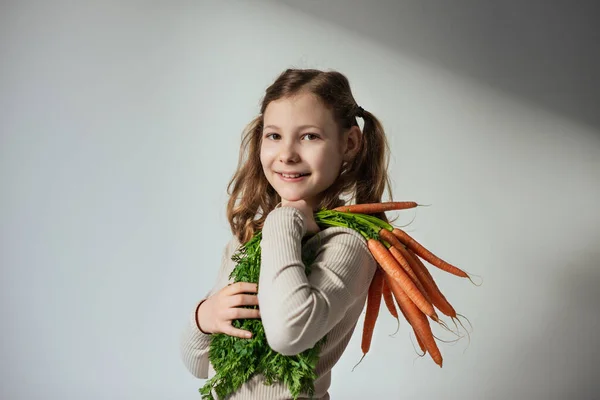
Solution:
(296, 175)
(292, 177)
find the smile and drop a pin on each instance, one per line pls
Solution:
(292, 177)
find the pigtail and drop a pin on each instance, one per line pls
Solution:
(372, 168)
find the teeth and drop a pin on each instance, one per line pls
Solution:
(291, 176)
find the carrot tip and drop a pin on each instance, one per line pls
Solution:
(469, 278)
(449, 342)
(467, 319)
(359, 361)
(397, 328)
(447, 328)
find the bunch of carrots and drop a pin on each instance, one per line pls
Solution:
(401, 273)
(401, 276)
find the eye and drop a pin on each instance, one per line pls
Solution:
(311, 136)
(273, 136)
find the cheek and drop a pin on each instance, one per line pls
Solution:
(265, 156)
(329, 164)
(331, 160)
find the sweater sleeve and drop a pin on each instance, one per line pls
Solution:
(194, 343)
(298, 310)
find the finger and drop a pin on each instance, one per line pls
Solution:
(242, 313)
(242, 287)
(231, 331)
(243, 300)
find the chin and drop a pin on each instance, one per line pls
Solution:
(292, 197)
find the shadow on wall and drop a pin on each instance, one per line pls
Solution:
(544, 52)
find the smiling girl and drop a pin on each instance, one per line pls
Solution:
(303, 152)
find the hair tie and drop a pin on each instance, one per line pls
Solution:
(360, 112)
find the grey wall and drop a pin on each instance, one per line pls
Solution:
(540, 51)
(120, 126)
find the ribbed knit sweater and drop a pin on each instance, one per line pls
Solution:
(296, 310)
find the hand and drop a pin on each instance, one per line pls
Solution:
(307, 210)
(216, 313)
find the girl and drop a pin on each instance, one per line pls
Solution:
(303, 152)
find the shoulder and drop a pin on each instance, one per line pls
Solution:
(338, 234)
(341, 242)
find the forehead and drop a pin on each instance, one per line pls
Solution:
(301, 109)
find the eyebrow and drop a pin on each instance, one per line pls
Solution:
(299, 128)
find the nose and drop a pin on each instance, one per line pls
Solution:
(288, 153)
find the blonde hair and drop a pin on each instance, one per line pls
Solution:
(363, 179)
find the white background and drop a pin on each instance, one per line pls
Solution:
(120, 128)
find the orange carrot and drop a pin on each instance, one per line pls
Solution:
(435, 294)
(418, 321)
(375, 208)
(428, 256)
(389, 300)
(389, 303)
(421, 345)
(389, 264)
(404, 261)
(373, 305)
(390, 238)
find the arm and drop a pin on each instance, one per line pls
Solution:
(296, 310)
(194, 343)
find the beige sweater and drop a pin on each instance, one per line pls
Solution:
(296, 310)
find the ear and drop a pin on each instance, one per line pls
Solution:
(352, 143)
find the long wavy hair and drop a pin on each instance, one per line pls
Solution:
(362, 180)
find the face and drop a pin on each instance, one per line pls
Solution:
(302, 151)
